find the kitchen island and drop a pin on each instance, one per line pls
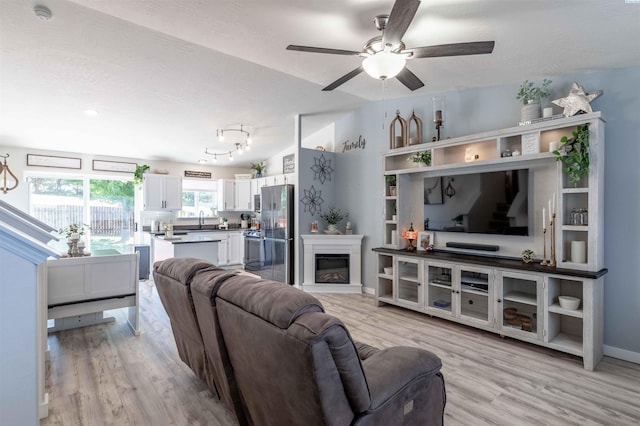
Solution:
(199, 246)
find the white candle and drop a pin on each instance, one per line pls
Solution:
(74, 236)
(549, 210)
(543, 219)
(578, 251)
(553, 204)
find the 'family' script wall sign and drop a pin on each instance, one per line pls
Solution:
(348, 145)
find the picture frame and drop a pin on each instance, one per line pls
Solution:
(114, 166)
(54, 161)
(433, 191)
(426, 240)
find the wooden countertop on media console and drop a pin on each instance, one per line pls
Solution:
(492, 261)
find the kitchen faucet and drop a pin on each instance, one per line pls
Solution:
(200, 219)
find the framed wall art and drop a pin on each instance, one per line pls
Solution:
(114, 166)
(54, 161)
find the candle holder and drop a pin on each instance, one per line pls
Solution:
(544, 247)
(552, 262)
(438, 111)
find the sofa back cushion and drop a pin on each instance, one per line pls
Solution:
(293, 363)
(204, 288)
(172, 278)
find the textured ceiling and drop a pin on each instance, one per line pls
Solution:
(164, 75)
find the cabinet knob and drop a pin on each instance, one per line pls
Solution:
(499, 300)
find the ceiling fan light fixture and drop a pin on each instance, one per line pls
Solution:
(384, 64)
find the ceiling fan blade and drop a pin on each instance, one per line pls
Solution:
(343, 79)
(322, 50)
(409, 79)
(399, 20)
(454, 49)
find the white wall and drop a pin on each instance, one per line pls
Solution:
(17, 161)
(359, 174)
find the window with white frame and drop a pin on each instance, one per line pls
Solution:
(198, 196)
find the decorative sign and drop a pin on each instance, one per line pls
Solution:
(53, 161)
(289, 163)
(196, 174)
(114, 166)
(360, 143)
(530, 143)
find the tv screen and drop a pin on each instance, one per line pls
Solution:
(486, 203)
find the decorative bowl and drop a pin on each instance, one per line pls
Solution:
(388, 270)
(569, 302)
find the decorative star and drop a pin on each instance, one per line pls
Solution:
(321, 169)
(577, 101)
(312, 200)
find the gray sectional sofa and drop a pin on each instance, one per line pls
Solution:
(274, 357)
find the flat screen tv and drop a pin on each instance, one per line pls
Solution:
(486, 203)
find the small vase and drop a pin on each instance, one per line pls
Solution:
(332, 229)
(258, 174)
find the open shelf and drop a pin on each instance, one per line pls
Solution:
(520, 297)
(568, 343)
(557, 309)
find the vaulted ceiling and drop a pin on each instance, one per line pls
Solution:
(165, 75)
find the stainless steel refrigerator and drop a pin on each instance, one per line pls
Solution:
(276, 227)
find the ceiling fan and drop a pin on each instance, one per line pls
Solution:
(385, 55)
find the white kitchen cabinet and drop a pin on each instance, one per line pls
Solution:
(235, 248)
(226, 195)
(243, 196)
(162, 192)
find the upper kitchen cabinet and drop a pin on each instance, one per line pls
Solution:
(243, 195)
(162, 192)
(226, 195)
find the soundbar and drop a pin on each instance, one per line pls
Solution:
(468, 246)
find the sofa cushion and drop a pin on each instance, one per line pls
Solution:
(264, 299)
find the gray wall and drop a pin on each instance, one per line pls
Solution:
(359, 173)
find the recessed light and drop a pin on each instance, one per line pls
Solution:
(90, 112)
(202, 161)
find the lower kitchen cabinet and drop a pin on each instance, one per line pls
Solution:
(498, 295)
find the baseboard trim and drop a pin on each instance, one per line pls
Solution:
(368, 290)
(622, 354)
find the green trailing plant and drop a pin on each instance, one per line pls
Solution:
(137, 175)
(529, 92)
(574, 154)
(334, 216)
(458, 218)
(422, 157)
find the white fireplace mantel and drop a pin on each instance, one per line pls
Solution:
(333, 244)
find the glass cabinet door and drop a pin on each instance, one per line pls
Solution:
(408, 288)
(440, 288)
(475, 286)
(520, 301)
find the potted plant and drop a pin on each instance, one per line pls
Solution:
(333, 217)
(574, 154)
(73, 230)
(422, 157)
(457, 220)
(137, 175)
(259, 168)
(531, 96)
(391, 181)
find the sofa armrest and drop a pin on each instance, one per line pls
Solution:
(390, 370)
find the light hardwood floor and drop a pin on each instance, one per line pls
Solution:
(103, 375)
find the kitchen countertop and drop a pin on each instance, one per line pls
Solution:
(181, 232)
(186, 239)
